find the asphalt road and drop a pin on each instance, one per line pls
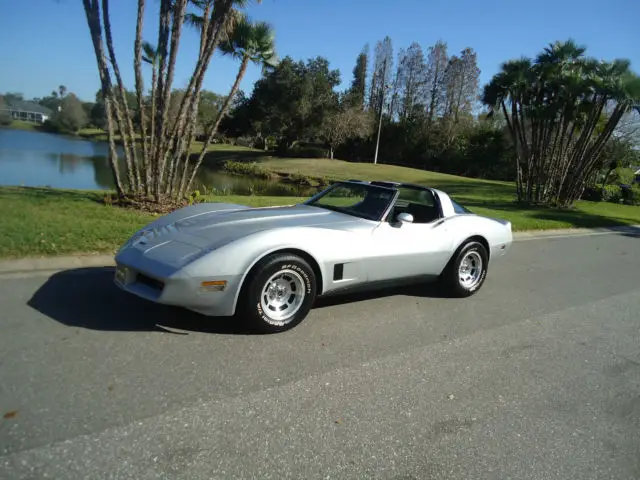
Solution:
(535, 377)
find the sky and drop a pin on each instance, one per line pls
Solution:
(46, 43)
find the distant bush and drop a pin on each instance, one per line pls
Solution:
(592, 194)
(252, 169)
(621, 175)
(306, 151)
(631, 194)
(5, 116)
(612, 193)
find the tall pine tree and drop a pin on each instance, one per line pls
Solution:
(357, 92)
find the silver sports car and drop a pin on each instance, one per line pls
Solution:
(268, 265)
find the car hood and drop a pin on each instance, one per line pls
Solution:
(211, 229)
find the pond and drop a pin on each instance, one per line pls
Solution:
(38, 159)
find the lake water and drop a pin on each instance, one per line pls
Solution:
(37, 159)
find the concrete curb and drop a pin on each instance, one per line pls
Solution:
(575, 232)
(54, 264)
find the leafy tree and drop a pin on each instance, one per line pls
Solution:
(164, 145)
(382, 76)
(10, 97)
(561, 110)
(249, 42)
(411, 79)
(5, 116)
(51, 101)
(350, 122)
(209, 108)
(292, 99)
(71, 117)
(358, 89)
(437, 61)
(462, 83)
(87, 107)
(620, 152)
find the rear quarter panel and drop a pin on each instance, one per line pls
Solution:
(498, 235)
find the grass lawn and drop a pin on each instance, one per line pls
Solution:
(43, 222)
(21, 125)
(485, 197)
(36, 222)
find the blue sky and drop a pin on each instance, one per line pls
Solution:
(46, 43)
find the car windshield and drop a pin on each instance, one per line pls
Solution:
(361, 200)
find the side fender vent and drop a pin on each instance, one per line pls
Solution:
(338, 271)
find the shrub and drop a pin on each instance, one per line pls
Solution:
(612, 193)
(302, 151)
(246, 168)
(308, 152)
(631, 195)
(592, 194)
(621, 175)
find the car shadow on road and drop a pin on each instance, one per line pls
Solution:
(88, 298)
(424, 290)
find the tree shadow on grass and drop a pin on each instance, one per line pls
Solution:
(88, 298)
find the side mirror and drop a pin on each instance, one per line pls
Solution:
(404, 217)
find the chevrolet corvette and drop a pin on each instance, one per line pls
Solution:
(268, 265)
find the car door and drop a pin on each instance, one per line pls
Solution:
(410, 249)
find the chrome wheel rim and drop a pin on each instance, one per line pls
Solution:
(282, 296)
(470, 270)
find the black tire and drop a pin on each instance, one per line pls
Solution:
(450, 278)
(250, 305)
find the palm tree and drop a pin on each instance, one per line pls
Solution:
(249, 42)
(151, 57)
(556, 111)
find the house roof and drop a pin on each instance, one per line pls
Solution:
(24, 106)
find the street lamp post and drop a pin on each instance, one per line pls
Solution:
(384, 89)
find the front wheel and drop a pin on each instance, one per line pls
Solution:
(467, 270)
(279, 293)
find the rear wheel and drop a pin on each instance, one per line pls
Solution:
(278, 294)
(466, 271)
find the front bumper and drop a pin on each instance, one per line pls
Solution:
(179, 290)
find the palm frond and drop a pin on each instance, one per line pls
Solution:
(150, 53)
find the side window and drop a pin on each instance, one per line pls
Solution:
(459, 209)
(419, 203)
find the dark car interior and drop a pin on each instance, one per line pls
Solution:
(419, 203)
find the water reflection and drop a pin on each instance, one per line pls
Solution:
(44, 159)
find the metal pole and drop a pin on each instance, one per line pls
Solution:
(384, 76)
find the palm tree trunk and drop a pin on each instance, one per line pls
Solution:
(137, 65)
(125, 124)
(92, 12)
(210, 39)
(152, 129)
(216, 125)
(113, 154)
(178, 10)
